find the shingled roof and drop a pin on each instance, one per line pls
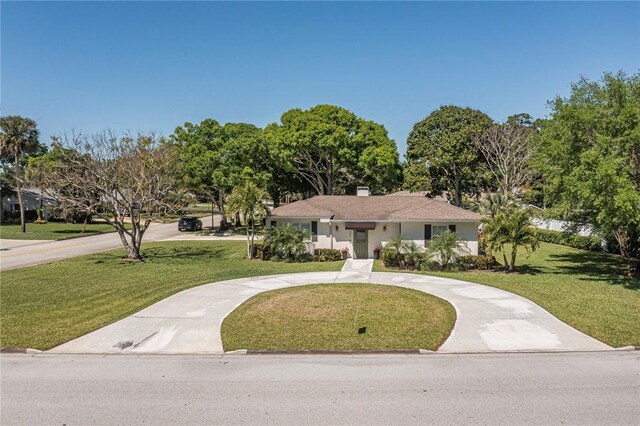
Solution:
(373, 208)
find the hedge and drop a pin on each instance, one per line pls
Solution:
(326, 255)
(591, 243)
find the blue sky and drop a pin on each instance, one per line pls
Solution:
(150, 66)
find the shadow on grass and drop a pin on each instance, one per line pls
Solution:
(596, 267)
(525, 269)
(185, 253)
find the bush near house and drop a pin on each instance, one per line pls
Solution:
(326, 255)
(591, 243)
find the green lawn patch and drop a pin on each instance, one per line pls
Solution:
(53, 231)
(584, 289)
(332, 317)
(46, 305)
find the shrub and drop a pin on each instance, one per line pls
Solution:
(327, 255)
(478, 262)
(260, 252)
(454, 267)
(391, 258)
(287, 243)
(591, 243)
(430, 265)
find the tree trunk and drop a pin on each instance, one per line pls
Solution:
(23, 224)
(249, 240)
(506, 263)
(622, 236)
(514, 252)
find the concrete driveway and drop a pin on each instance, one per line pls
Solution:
(488, 319)
(16, 255)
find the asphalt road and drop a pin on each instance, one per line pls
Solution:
(543, 388)
(44, 252)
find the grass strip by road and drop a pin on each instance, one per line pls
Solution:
(339, 317)
(53, 231)
(584, 289)
(46, 305)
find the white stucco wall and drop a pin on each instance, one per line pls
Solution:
(330, 237)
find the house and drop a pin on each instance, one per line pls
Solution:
(363, 223)
(32, 199)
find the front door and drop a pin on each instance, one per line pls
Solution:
(361, 244)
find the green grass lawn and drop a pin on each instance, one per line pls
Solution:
(330, 316)
(46, 305)
(584, 289)
(53, 231)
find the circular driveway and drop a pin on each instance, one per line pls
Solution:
(488, 319)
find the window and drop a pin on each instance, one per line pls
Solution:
(302, 225)
(438, 230)
(310, 227)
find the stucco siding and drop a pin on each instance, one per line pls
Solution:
(335, 235)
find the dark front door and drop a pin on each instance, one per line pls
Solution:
(361, 244)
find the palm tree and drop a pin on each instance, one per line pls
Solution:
(446, 246)
(248, 200)
(395, 247)
(18, 135)
(412, 253)
(286, 242)
(511, 228)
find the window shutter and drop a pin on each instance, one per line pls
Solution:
(314, 231)
(452, 228)
(427, 233)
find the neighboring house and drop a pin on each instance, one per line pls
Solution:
(31, 199)
(363, 223)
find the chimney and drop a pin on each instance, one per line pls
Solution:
(363, 191)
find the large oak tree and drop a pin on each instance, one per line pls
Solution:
(441, 155)
(334, 151)
(590, 157)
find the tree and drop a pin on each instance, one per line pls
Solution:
(446, 246)
(128, 181)
(443, 143)
(512, 228)
(18, 136)
(248, 200)
(216, 158)
(508, 149)
(333, 150)
(590, 157)
(286, 242)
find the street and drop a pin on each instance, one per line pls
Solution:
(516, 388)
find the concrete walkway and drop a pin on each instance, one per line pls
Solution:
(189, 322)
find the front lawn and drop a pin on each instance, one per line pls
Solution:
(46, 305)
(339, 317)
(53, 231)
(584, 289)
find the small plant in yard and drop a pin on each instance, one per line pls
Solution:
(447, 248)
(286, 243)
(345, 253)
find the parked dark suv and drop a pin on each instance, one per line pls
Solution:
(188, 223)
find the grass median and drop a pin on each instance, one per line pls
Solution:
(339, 317)
(46, 305)
(584, 289)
